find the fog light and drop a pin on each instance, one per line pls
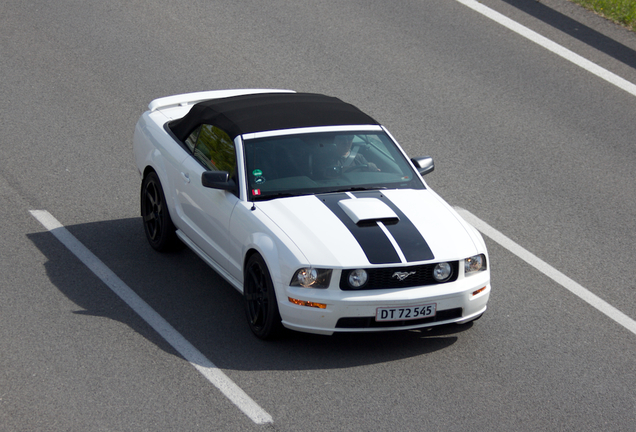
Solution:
(357, 278)
(307, 303)
(442, 272)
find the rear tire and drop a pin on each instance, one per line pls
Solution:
(160, 230)
(261, 307)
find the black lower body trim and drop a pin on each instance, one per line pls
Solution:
(370, 322)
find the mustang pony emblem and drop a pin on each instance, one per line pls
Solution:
(402, 275)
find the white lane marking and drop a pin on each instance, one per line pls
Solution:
(549, 271)
(551, 46)
(212, 373)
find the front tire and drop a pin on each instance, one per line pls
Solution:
(160, 230)
(261, 307)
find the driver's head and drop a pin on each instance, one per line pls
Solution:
(343, 144)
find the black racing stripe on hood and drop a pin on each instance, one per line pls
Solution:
(375, 244)
(407, 236)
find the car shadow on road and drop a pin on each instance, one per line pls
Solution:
(205, 309)
(577, 30)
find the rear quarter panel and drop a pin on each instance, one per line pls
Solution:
(155, 149)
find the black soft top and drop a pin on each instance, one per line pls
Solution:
(239, 115)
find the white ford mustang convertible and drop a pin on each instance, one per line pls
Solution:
(310, 209)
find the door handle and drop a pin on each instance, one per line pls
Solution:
(186, 177)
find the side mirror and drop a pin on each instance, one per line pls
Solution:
(218, 180)
(424, 165)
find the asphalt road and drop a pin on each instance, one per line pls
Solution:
(533, 145)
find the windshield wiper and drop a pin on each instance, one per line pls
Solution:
(289, 194)
(277, 195)
(359, 188)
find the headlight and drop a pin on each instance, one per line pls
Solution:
(357, 278)
(442, 272)
(311, 278)
(475, 264)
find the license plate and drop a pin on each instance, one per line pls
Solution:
(405, 313)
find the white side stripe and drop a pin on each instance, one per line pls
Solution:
(550, 271)
(212, 373)
(551, 46)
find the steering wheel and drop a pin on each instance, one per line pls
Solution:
(352, 168)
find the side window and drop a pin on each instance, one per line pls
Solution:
(214, 149)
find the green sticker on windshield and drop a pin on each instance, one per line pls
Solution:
(257, 172)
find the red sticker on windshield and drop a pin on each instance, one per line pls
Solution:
(256, 192)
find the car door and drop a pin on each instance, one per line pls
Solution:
(205, 211)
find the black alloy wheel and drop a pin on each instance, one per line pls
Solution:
(261, 307)
(160, 230)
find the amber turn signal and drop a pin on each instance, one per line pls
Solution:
(479, 290)
(307, 303)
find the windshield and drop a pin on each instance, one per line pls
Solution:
(325, 162)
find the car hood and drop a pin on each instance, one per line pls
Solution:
(342, 229)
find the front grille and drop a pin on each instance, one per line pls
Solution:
(370, 322)
(385, 278)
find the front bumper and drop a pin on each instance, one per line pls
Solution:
(354, 311)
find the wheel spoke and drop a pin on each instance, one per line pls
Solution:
(151, 199)
(256, 314)
(153, 211)
(151, 193)
(158, 222)
(256, 279)
(256, 296)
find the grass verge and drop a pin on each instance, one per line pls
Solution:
(620, 11)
